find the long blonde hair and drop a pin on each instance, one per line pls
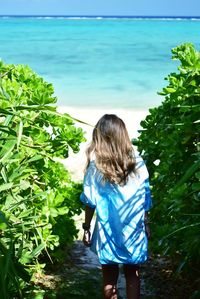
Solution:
(113, 150)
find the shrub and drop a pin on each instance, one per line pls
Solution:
(169, 140)
(37, 194)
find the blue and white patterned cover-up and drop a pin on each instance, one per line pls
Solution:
(119, 234)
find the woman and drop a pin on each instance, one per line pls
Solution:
(116, 186)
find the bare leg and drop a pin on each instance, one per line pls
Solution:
(131, 273)
(110, 277)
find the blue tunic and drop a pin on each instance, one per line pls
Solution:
(119, 234)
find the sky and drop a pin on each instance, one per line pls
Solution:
(101, 7)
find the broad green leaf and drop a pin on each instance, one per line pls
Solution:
(24, 184)
(3, 173)
(35, 158)
(27, 213)
(63, 210)
(8, 119)
(6, 186)
(7, 150)
(38, 250)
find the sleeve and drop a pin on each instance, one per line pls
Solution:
(88, 196)
(148, 199)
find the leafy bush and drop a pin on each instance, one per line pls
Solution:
(170, 143)
(38, 198)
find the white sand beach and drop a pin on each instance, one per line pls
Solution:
(132, 119)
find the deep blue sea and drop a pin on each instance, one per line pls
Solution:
(98, 62)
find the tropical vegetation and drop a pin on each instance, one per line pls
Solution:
(37, 196)
(170, 144)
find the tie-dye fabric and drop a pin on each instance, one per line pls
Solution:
(119, 234)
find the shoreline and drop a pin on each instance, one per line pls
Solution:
(131, 118)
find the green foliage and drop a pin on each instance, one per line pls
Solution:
(170, 141)
(38, 198)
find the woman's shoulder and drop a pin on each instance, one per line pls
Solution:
(136, 153)
(93, 175)
(92, 168)
(92, 164)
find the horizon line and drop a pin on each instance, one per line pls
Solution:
(103, 16)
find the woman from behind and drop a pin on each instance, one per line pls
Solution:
(116, 185)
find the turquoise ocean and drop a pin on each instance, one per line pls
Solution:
(98, 62)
